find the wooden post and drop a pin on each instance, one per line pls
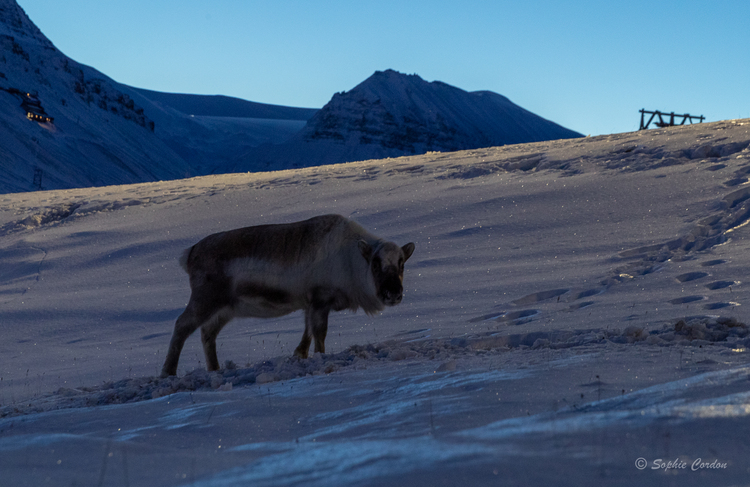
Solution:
(38, 178)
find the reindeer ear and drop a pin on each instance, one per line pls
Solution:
(365, 250)
(408, 249)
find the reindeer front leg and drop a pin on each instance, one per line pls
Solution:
(320, 328)
(304, 344)
(316, 327)
(320, 302)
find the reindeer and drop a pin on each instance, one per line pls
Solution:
(327, 263)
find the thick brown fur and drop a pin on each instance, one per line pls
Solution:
(327, 263)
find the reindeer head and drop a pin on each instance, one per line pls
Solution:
(387, 266)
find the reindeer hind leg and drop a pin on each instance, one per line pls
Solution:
(209, 331)
(205, 302)
(185, 325)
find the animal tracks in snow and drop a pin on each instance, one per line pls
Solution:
(687, 331)
(552, 296)
(711, 286)
(676, 263)
(732, 211)
(20, 268)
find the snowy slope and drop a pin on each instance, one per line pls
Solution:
(571, 307)
(100, 135)
(104, 132)
(391, 114)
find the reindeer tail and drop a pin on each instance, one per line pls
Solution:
(185, 258)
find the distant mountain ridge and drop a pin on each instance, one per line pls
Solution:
(392, 114)
(405, 112)
(226, 106)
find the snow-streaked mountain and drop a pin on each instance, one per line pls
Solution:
(392, 114)
(104, 132)
(100, 134)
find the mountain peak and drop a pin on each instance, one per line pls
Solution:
(404, 114)
(383, 83)
(14, 23)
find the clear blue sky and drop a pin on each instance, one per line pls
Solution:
(587, 65)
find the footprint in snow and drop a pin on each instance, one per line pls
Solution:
(721, 285)
(519, 317)
(585, 294)
(540, 296)
(581, 305)
(720, 305)
(686, 299)
(691, 276)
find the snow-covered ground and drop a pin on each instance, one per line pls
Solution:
(573, 310)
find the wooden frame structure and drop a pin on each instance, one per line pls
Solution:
(670, 123)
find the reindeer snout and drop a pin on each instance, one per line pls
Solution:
(390, 289)
(393, 297)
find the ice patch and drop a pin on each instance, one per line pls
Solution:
(345, 462)
(414, 397)
(674, 401)
(19, 442)
(181, 417)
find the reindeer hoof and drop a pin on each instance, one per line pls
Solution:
(167, 371)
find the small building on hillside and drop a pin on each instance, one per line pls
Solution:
(34, 109)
